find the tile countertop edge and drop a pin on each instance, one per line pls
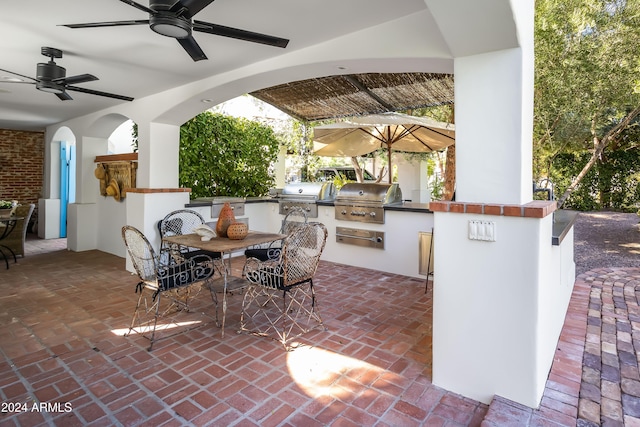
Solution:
(404, 207)
(563, 220)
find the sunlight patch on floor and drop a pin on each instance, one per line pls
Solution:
(633, 248)
(321, 372)
(159, 327)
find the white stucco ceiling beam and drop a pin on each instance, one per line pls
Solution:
(472, 28)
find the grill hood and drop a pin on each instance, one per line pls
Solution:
(366, 193)
(309, 190)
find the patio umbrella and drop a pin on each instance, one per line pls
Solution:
(394, 131)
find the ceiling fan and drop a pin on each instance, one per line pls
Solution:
(174, 18)
(51, 78)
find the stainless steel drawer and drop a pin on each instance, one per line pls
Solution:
(359, 237)
(237, 207)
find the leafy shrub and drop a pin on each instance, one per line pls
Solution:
(613, 183)
(226, 156)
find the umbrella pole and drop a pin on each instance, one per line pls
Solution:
(389, 154)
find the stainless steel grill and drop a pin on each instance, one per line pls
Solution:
(305, 195)
(365, 202)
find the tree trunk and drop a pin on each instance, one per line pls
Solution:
(599, 146)
(450, 165)
(358, 169)
(450, 173)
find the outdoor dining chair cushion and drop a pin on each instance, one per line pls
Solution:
(293, 219)
(197, 252)
(263, 254)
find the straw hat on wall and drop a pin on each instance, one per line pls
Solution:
(113, 189)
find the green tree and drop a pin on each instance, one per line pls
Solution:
(226, 156)
(587, 92)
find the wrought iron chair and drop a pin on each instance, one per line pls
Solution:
(177, 223)
(280, 300)
(292, 220)
(172, 279)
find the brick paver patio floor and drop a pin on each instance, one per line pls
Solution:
(62, 315)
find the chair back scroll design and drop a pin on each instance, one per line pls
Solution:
(298, 259)
(173, 277)
(281, 297)
(178, 223)
(295, 217)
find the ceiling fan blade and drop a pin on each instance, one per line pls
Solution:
(106, 24)
(64, 96)
(139, 6)
(192, 6)
(193, 48)
(236, 33)
(16, 74)
(95, 92)
(82, 78)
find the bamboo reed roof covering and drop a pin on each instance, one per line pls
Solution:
(358, 94)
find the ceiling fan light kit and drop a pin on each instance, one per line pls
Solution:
(49, 87)
(170, 26)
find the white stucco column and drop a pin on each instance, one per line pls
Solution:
(281, 168)
(412, 179)
(158, 155)
(499, 299)
(87, 185)
(83, 222)
(494, 116)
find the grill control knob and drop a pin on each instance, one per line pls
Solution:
(343, 212)
(372, 214)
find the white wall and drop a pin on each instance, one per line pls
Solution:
(487, 311)
(400, 255)
(412, 179)
(144, 210)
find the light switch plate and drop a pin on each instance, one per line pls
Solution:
(482, 230)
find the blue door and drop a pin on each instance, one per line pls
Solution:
(67, 182)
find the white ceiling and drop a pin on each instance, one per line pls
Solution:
(134, 61)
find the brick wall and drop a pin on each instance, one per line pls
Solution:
(21, 166)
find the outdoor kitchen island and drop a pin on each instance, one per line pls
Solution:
(401, 250)
(399, 253)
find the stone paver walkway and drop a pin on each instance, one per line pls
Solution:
(610, 388)
(594, 380)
